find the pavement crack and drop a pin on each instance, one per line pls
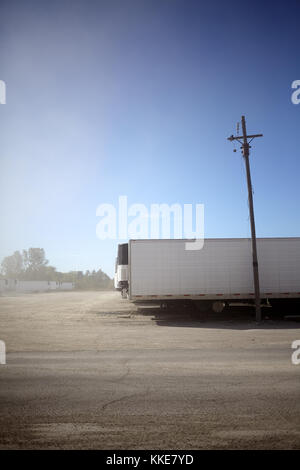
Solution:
(124, 397)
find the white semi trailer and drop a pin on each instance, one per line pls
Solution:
(219, 274)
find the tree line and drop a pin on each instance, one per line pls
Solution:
(32, 265)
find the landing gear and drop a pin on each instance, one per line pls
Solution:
(124, 293)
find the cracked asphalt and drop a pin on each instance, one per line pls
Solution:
(88, 370)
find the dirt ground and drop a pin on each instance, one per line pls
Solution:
(91, 370)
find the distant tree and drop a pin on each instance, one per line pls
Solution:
(13, 266)
(35, 263)
(49, 273)
(32, 265)
(35, 259)
(95, 280)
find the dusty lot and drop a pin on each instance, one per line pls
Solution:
(89, 370)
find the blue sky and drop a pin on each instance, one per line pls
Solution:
(137, 98)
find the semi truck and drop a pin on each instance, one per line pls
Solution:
(219, 274)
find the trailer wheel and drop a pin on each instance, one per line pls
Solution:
(218, 306)
(163, 306)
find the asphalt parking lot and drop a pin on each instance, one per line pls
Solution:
(90, 370)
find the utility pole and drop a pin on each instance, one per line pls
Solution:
(245, 150)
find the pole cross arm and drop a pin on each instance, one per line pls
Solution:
(232, 137)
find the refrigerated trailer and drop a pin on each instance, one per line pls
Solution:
(218, 274)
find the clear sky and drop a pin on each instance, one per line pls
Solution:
(137, 98)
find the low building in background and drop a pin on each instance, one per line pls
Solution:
(7, 285)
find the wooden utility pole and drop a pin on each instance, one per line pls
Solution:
(245, 150)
